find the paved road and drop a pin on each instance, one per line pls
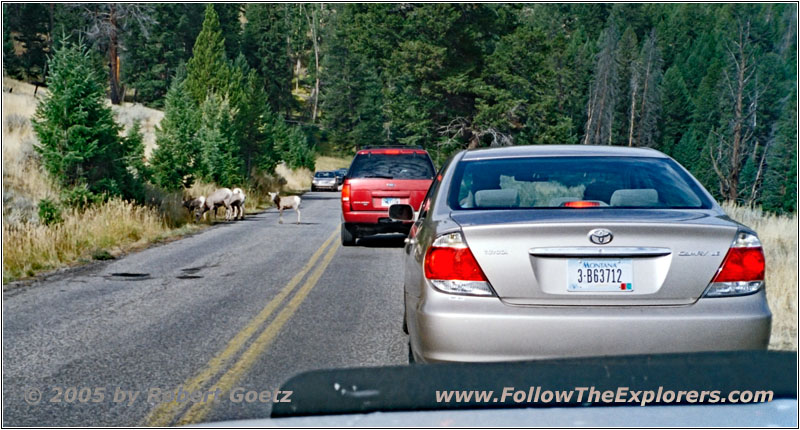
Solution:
(245, 304)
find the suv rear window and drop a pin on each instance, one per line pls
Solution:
(323, 175)
(570, 182)
(392, 166)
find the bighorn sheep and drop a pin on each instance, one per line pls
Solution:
(220, 197)
(194, 204)
(291, 202)
(237, 202)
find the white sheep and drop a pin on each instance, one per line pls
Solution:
(237, 203)
(290, 202)
(220, 197)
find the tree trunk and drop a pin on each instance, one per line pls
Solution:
(646, 81)
(312, 22)
(634, 87)
(113, 57)
(297, 75)
(733, 190)
(756, 186)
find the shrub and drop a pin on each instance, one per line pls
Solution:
(49, 212)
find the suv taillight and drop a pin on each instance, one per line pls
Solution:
(742, 270)
(346, 193)
(451, 267)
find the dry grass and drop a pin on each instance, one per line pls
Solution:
(101, 231)
(332, 163)
(24, 182)
(296, 180)
(778, 235)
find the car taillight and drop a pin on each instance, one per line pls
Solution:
(742, 270)
(346, 195)
(451, 267)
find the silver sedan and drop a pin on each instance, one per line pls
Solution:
(532, 252)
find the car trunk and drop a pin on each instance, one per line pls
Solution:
(541, 257)
(377, 194)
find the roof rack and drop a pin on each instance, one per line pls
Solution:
(391, 147)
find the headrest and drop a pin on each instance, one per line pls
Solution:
(507, 198)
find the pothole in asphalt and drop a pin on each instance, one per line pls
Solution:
(189, 277)
(129, 276)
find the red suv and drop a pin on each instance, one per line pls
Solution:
(378, 178)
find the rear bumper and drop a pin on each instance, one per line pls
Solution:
(468, 329)
(374, 222)
(333, 186)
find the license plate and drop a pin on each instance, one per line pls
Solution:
(600, 275)
(388, 201)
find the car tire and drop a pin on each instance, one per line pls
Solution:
(348, 237)
(313, 188)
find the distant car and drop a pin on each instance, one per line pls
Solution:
(324, 180)
(377, 179)
(532, 252)
(340, 174)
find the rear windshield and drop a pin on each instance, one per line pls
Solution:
(324, 174)
(574, 182)
(392, 166)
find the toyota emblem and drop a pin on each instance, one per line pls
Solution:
(600, 236)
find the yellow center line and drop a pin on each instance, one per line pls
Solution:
(199, 411)
(164, 413)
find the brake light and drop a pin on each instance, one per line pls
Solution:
(581, 204)
(451, 267)
(392, 151)
(346, 195)
(742, 270)
(346, 192)
(742, 264)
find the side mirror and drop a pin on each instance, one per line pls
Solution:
(401, 212)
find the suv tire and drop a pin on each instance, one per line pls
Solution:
(348, 237)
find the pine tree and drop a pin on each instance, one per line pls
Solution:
(177, 160)
(11, 63)
(152, 59)
(79, 140)
(351, 96)
(218, 140)
(231, 25)
(30, 25)
(134, 150)
(629, 87)
(780, 178)
(207, 70)
(264, 44)
(677, 109)
(603, 93)
(650, 101)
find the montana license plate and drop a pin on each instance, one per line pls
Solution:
(600, 275)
